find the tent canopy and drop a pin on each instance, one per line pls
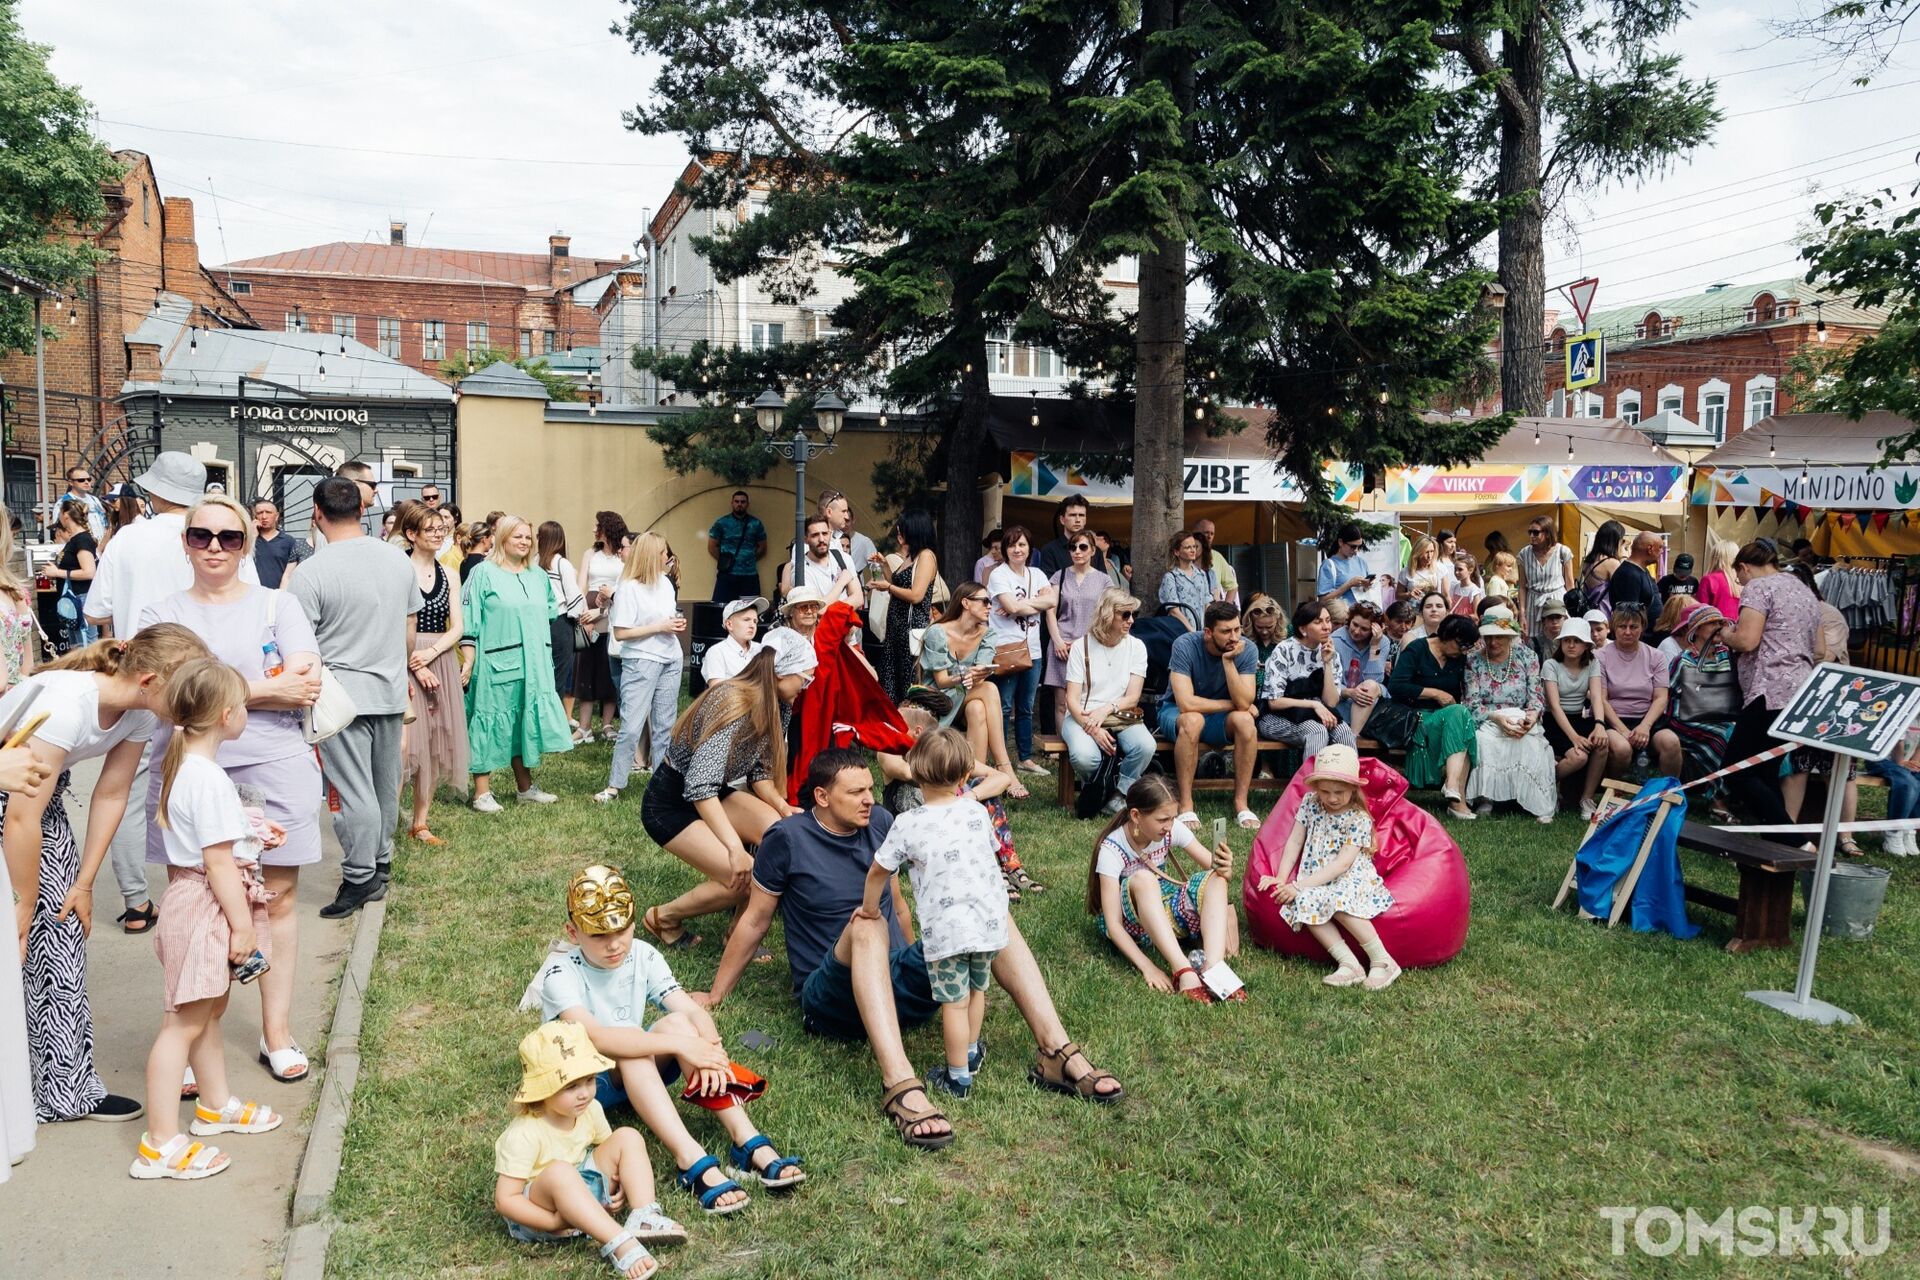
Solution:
(1597, 442)
(1819, 439)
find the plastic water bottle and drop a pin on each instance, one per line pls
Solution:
(1642, 767)
(270, 659)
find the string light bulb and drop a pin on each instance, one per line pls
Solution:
(156, 298)
(883, 422)
(1819, 322)
(193, 339)
(1199, 414)
(73, 315)
(1569, 448)
(1033, 409)
(323, 371)
(1771, 451)
(1536, 435)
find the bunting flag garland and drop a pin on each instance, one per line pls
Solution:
(1880, 521)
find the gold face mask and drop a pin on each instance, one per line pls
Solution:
(599, 901)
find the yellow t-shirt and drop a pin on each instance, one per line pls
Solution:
(531, 1143)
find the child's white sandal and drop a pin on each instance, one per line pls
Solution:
(178, 1159)
(235, 1117)
(1345, 976)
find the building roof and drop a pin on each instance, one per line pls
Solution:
(503, 379)
(1723, 307)
(376, 260)
(210, 362)
(1831, 439)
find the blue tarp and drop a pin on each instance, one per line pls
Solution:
(1658, 896)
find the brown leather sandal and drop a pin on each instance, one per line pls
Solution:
(1056, 1080)
(904, 1117)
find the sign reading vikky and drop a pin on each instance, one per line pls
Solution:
(1850, 710)
(1252, 480)
(1489, 484)
(1892, 488)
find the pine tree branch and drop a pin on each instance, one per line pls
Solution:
(1566, 47)
(1481, 63)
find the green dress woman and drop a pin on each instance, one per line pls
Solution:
(513, 713)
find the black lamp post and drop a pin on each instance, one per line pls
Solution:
(829, 412)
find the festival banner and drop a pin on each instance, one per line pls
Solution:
(1204, 479)
(1489, 484)
(1892, 488)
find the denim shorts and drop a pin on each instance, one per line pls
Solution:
(596, 1183)
(1213, 733)
(827, 1006)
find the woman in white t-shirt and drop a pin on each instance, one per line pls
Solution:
(1106, 669)
(593, 679)
(727, 658)
(1022, 598)
(647, 623)
(99, 702)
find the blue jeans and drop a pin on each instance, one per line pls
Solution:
(1016, 707)
(649, 695)
(1903, 787)
(1136, 752)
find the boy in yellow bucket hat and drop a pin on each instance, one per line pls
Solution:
(603, 985)
(561, 1170)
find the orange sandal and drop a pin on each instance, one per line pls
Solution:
(425, 836)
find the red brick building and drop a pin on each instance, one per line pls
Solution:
(1717, 359)
(150, 247)
(421, 305)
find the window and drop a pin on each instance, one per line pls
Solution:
(433, 339)
(1045, 363)
(1672, 399)
(1759, 399)
(1593, 406)
(347, 327)
(1629, 409)
(296, 323)
(388, 331)
(526, 342)
(477, 339)
(767, 335)
(1713, 413)
(552, 338)
(240, 288)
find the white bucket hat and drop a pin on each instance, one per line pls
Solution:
(174, 477)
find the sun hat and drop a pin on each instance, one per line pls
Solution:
(1336, 763)
(174, 477)
(1498, 621)
(802, 595)
(1698, 616)
(1575, 629)
(553, 1056)
(1553, 607)
(1593, 616)
(599, 900)
(758, 604)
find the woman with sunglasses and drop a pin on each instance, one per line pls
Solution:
(957, 660)
(1546, 569)
(255, 630)
(1105, 671)
(1260, 623)
(1080, 588)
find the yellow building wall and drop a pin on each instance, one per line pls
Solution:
(512, 458)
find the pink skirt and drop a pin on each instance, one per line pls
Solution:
(436, 741)
(192, 935)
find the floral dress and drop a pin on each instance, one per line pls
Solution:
(1358, 891)
(1508, 768)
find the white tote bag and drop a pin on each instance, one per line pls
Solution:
(333, 710)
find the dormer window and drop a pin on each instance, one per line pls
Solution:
(1762, 310)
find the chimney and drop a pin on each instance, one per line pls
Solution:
(143, 362)
(396, 233)
(557, 246)
(179, 255)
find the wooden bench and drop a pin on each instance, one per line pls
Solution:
(1054, 745)
(1763, 911)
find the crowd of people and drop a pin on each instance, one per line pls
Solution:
(228, 675)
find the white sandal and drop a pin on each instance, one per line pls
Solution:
(651, 1225)
(179, 1159)
(235, 1117)
(1190, 819)
(606, 795)
(1248, 821)
(288, 1066)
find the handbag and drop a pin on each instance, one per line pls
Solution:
(1309, 687)
(1092, 796)
(1012, 658)
(1706, 697)
(334, 709)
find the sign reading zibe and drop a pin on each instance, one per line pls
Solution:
(285, 416)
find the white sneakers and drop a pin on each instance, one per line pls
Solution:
(485, 803)
(1900, 844)
(534, 795)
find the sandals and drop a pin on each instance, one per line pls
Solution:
(424, 836)
(1013, 890)
(1085, 1086)
(1345, 976)
(683, 942)
(235, 1117)
(288, 1066)
(768, 1174)
(1247, 820)
(650, 1224)
(1189, 819)
(131, 921)
(1016, 789)
(625, 1252)
(606, 795)
(1851, 847)
(179, 1159)
(1020, 880)
(1197, 992)
(894, 1107)
(694, 1180)
(1381, 978)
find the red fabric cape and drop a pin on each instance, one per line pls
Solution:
(844, 704)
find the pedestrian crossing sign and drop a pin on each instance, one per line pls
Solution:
(1586, 361)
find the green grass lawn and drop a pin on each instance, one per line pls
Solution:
(1470, 1121)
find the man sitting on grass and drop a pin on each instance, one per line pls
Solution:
(1210, 696)
(867, 978)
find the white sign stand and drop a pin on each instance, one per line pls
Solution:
(1799, 1003)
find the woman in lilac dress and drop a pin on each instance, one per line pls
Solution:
(1079, 587)
(248, 627)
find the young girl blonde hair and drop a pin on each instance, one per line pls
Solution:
(156, 651)
(199, 692)
(941, 760)
(233, 509)
(646, 559)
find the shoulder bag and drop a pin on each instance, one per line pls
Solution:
(333, 710)
(1120, 718)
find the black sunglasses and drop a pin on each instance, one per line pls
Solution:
(230, 539)
(1081, 546)
(1125, 615)
(1534, 533)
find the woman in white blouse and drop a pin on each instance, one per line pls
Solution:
(646, 623)
(1022, 597)
(1106, 670)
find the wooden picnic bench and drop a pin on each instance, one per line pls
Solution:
(1054, 745)
(1763, 911)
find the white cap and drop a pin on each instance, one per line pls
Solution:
(1594, 617)
(757, 604)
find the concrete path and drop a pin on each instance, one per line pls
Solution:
(71, 1209)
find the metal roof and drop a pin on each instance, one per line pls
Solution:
(1723, 308)
(503, 379)
(210, 362)
(1821, 438)
(416, 262)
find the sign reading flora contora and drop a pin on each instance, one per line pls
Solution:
(311, 417)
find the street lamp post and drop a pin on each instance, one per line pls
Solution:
(829, 412)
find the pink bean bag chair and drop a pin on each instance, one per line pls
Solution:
(1422, 867)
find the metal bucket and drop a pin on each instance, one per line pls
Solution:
(1855, 895)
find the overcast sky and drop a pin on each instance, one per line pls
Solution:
(502, 84)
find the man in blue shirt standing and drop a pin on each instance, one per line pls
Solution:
(858, 977)
(737, 540)
(1211, 689)
(1344, 573)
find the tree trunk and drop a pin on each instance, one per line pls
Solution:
(1523, 254)
(1159, 411)
(960, 524)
